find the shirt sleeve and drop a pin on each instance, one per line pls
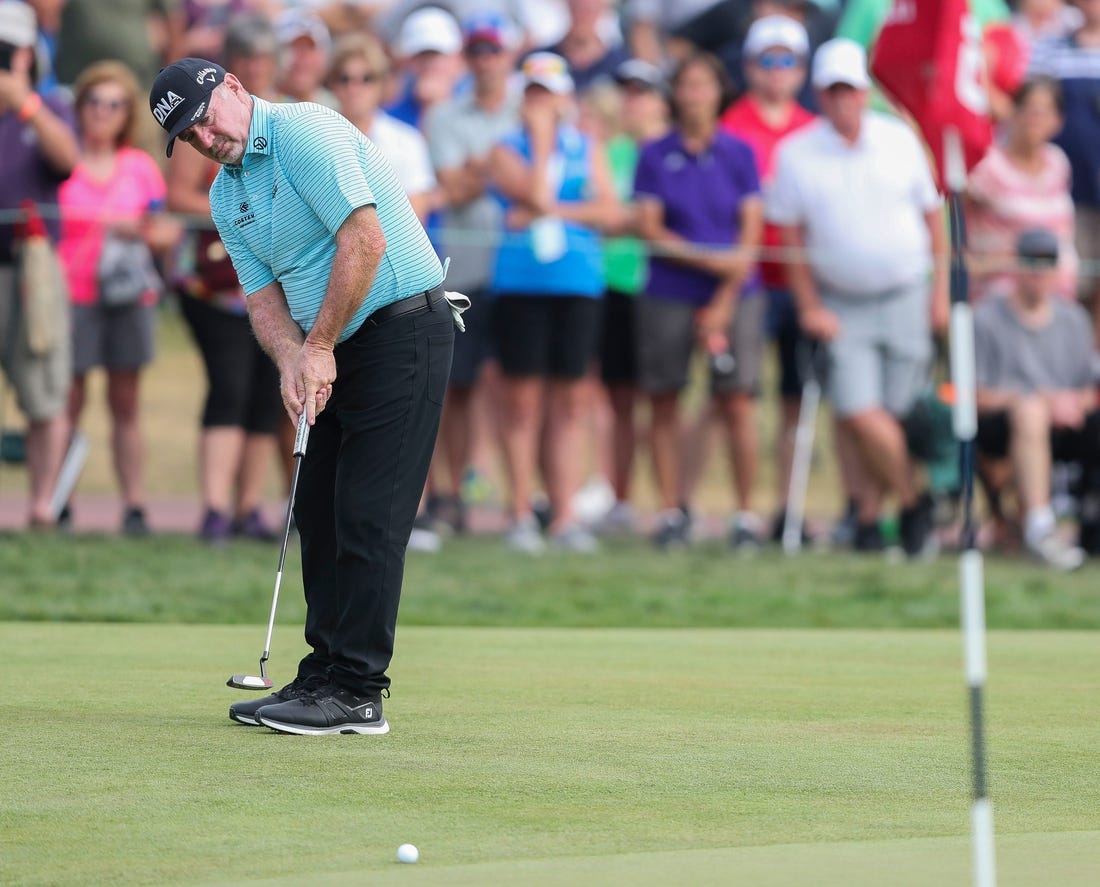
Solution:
(783, 205)
(745, 172)
(647, 177)
(985, 349)
(925, 192)
(252, 273)
(320, 155)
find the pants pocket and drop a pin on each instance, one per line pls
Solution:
(440, 352)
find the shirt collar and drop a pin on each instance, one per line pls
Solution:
(259, 135)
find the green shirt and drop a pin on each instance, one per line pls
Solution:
(624, 257)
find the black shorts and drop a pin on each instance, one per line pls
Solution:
(790, 343)
(1066, 445)
(550, 336)
(472, 346)
(243, 384)
(619, 339)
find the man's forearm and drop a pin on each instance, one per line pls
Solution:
(276, 331)
(360, 244)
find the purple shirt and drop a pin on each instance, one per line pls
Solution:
(24, 175)
(701, 196)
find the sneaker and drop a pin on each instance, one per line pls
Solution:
(845, 530)
(134, 524)
(524, 536)
(574, 538)
(916, 527)
(253, 526)
(65, 519)
(619, 521)
(672, 529)
(324, 711)
(867, 538)
(215, 527)
(245, 712)
(779, 527)
(543, 513)
(593, 501)
(1054, 551)
(423, 538)
(745, 532)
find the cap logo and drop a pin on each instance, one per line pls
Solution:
(165, 105)
(198, 112)
(206, 75)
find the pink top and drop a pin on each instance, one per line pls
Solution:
(1007, 201)
(89, 206)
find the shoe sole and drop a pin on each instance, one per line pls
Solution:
(299, 730)
(244, 719)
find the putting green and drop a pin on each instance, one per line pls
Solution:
(528, 756)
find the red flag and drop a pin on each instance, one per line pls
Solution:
(929, 58)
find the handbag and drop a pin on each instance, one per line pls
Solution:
(126, 272)
(43, 293)
(212, 263)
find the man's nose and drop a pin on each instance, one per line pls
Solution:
(204, 137)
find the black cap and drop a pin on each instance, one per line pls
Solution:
(1037, 246)
(181, 92)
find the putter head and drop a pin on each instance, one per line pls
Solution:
(249, 682)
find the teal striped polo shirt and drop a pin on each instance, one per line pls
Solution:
(305, 171)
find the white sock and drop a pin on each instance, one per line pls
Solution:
(1038, 523)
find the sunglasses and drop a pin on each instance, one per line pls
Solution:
(346, 79)
(93, 101)
(777, 61)
(482, 48)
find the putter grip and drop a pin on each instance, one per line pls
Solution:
(302, 437)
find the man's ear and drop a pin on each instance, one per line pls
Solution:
(233, 83)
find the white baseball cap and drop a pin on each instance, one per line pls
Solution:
(771, 31)
(840, 61)
(430, 29)
(18, 26)
(548, 70)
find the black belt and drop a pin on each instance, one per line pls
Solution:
(427, 299)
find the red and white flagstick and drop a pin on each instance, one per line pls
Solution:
(971, 580)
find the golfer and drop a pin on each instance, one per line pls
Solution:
(345, 293)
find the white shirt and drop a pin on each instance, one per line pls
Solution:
(861, 206)
(406, 150)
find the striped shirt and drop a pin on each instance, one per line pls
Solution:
(305, 171)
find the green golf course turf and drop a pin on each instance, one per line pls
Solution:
(538, 756)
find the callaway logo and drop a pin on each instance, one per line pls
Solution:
(198, 112)
(206, 75)
(165, 105)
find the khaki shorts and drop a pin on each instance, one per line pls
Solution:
(666, 341)
(41, 382)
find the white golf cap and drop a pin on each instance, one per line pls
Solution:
(840, 61)
(18, 26)
(776, 31)
(548, 70)
(430, 29)
(294, 24)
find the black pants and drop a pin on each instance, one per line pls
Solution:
(359, 488)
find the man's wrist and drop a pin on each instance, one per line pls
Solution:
(29, 107)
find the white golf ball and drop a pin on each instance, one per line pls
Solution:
(407, 853)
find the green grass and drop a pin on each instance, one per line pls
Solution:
(476, 582)
(549, 755)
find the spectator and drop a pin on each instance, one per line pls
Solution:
(428, 49)
(584, 46)
(643, 118)
(357, 77)
(673, 28)
(1023, 183)
(205, 23)
(39, 151)
(1074, 61)
(243, 409)
(306, 47)
(556, 190)
(461, 134)
(1036, 394)
(115, 188)
(699, 208)
(775, 53)
(854, 196)
(48, 14)
(1039, 20)
(138, 33)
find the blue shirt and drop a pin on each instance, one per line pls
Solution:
(1077, 68)
(700, 195)
(579, 270)
(305, 171)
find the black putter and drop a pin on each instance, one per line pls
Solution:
(262, 681)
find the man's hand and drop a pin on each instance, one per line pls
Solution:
(14, 90)
(712, 321)
(819, 323)
(306, 384)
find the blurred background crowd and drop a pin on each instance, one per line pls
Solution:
(641, 199)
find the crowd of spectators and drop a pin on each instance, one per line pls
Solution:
(626, 191)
